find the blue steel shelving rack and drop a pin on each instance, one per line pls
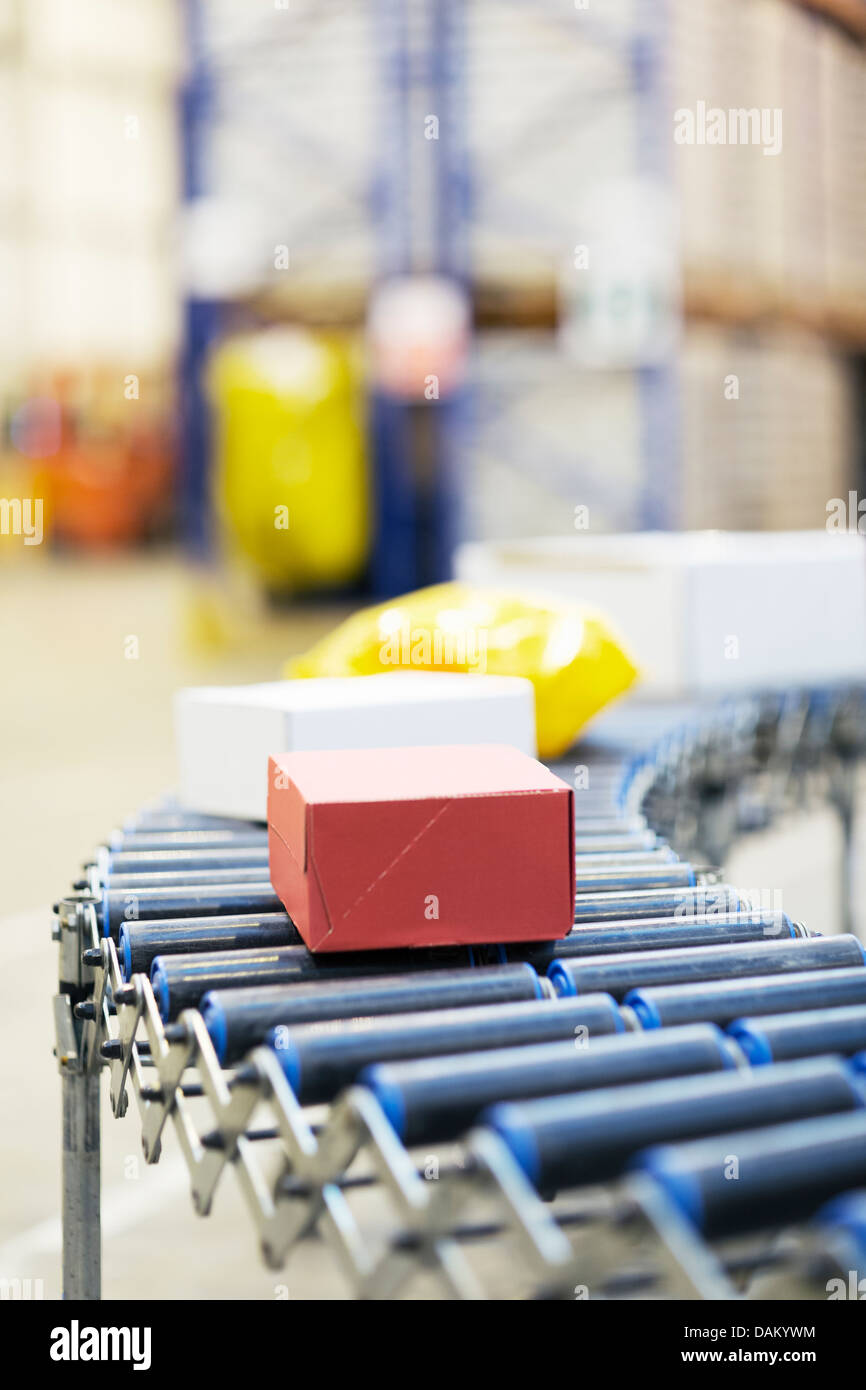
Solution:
(422, 44)
(421, 53)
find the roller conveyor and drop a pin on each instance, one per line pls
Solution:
(119, 905)
(187, 839)
(590, 821)
(722, 1001)
(188, 878)
(109, 862)
(784, 1173)
(237, 1019)
(619, 879)
(620, 974)
(429, 1100)
(176, 818)
(139, 943)
(781, 1037)
(587, 859)
(615, 903)
(628, 842)
(180, 982)
(569, 1140)
(318, 1060)
(240, 1028)
(664, 933)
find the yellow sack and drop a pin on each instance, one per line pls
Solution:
(291, 488)
(569, 653)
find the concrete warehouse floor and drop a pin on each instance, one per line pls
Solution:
(86, 738)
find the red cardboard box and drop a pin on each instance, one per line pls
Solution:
(376, 848)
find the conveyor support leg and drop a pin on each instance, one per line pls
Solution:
(82, 1245)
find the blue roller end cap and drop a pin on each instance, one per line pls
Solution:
(505, 1120)
(388, 1094)
(643, 1009)
(539, 987)
(858, 1063)
(125, 953)
(559, 977)
(752, 1042)
(847, 1213)
(856, 1067)
(287, 1055)
(616, 1014)
(731, 1059)
(160, 988)
(660, 1164)
(106, 925)
(214, 1017)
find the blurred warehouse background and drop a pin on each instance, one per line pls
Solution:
(414, 271)
(297, 296)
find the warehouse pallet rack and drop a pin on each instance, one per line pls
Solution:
(416, 204)
(709, 774)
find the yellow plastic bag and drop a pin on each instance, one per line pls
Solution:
(569, 653)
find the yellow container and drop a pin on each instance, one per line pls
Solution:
(291, 488)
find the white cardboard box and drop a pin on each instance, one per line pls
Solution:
(706, 611)
(225, 734)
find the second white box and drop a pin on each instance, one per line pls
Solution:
(225, 734)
